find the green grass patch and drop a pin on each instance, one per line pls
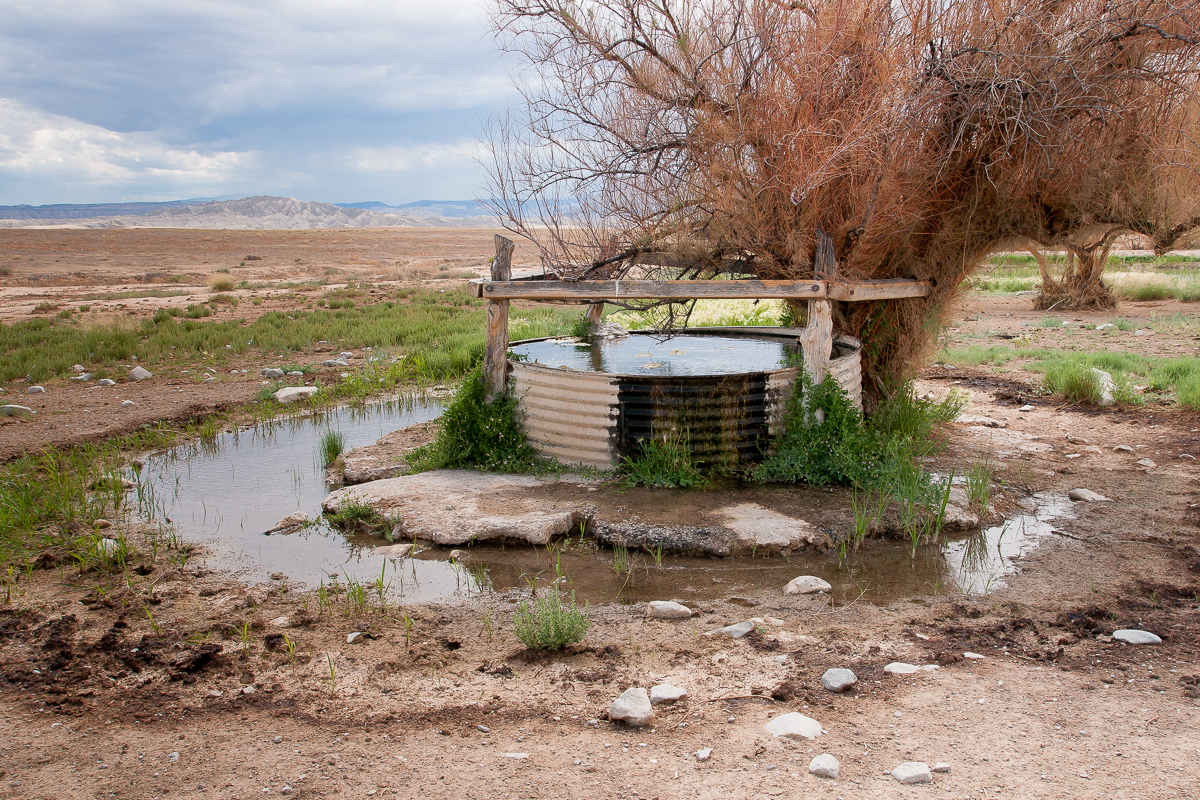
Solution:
(52, 499)
(975, 355)
(439, 335)
(136, 293)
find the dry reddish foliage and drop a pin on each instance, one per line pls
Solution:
(702, 137)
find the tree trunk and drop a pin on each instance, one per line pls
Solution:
(1081, 285)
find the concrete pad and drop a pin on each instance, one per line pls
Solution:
(453, 507)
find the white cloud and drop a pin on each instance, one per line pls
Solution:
(37, 145)
(405, 158)
(197, 97)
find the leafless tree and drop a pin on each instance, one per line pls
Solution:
(694, 137)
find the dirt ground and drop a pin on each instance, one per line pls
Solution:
(180, 682)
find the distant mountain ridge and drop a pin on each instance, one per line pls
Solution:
(87, 210)
(262, 212)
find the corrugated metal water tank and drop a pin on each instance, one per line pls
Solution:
(595, 418)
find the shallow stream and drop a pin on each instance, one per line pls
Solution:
(226, 492)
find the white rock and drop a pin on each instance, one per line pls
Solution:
(394, 550)
(290, 523)
(35, 390)
(356, 637)
(272, 372)
(794, 725)
(1123, 448)
(1086, 496)
(1105, 326)
(941, 766)
(632, 707)
(334, 362)
(345, 354)
(1106, 386)
(1145, 462)
(900, 668)
(248, 690)
(173, 757)
(703, 754)
(16, 411)
(736, 631)
(106, 382)
(139, 374)
(825, 766)
(77, 368)
(913, 772)
(1025, 408)
(1134, 636)
(666, 609)
(838, 679)
(295, 373)
(981, 422)
(210, 379)
(975, 656)
(806, 584)
(517, 756)
(280, 622)
(291, 394)
(666, 693)
(128, 404)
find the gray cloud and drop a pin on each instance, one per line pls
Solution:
(339, 99)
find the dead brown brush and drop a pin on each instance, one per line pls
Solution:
(689, 139)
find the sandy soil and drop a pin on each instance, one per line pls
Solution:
(180, 683)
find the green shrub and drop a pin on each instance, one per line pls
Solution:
(549, 623)
(477, 434)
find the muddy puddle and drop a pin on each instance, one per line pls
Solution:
(225, 493)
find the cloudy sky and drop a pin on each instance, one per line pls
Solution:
(332, 100)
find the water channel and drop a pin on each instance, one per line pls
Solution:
(226, 492)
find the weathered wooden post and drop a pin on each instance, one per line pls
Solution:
(817, 339)
(495, 357)
(595, 313)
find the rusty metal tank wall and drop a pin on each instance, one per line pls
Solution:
(595, 419)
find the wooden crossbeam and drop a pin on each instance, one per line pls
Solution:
(849, 291)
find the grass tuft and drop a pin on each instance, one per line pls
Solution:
(664, 461)
(1074, 381)
(549, 623)
(333, 444)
